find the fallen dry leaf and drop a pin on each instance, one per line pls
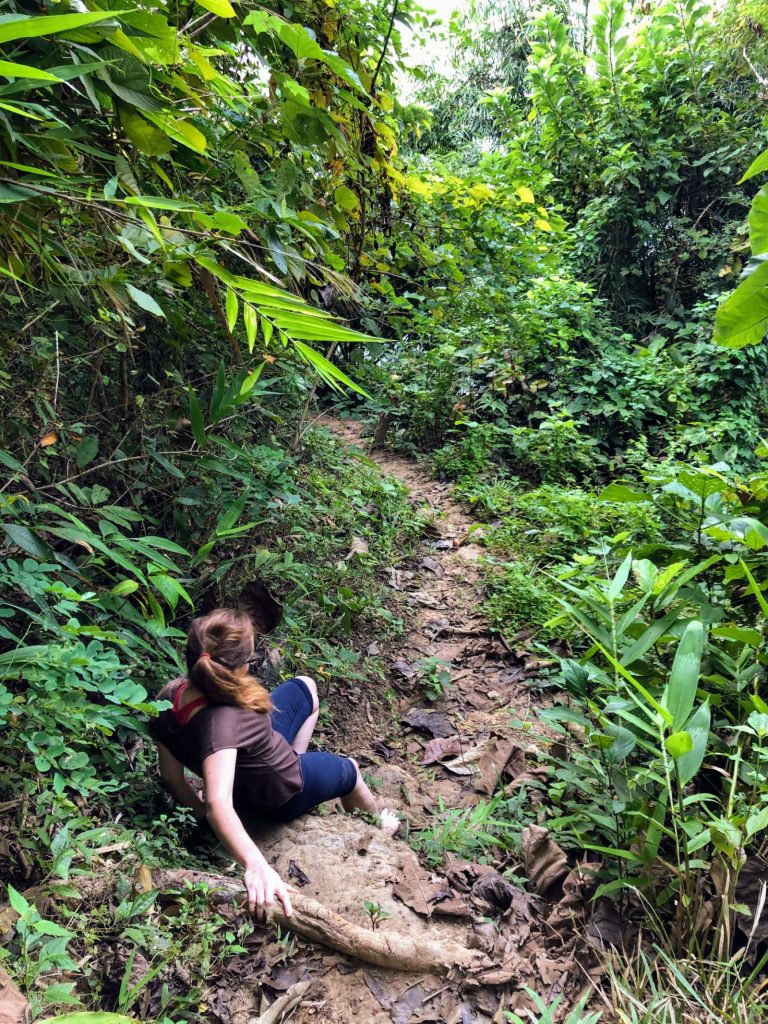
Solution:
(359, 546)
(48, 439)
(433, 722)
(545, 863)
(752, 891)
(440, 747)
(426, 894)
(14, 1008)
(493, 763)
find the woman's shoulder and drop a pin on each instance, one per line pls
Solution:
(170, 689)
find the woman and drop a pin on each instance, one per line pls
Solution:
(249, 749)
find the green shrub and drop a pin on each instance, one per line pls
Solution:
(552, 523)
(519, 597)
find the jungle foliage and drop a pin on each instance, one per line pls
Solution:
(584, 359)
(546, 274)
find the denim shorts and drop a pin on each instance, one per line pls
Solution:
(325, 776)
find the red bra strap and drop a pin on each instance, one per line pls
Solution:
(182, 714)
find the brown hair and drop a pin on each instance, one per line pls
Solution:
(217, 645)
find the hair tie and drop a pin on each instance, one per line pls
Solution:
(203, 654)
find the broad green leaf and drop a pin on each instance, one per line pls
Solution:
(758, 221)
(22, 537)
(698, 728)
(145, 301)
(171, 589)
(87, 450)
(758, 165)
(146, 137)
(740, 634)
(679, 743)
(743, 318)
(346, 199)
(525, 195)
(32, 26)
(11, 70)
(680, 692)
(622, 493)
(180, 131)
(231, 309)
(757, 821)
(17, 901)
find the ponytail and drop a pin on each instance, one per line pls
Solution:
(217, 645)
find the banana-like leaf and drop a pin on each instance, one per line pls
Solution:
(697, 727)
(680, 692)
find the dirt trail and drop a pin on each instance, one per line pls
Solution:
(343, 862)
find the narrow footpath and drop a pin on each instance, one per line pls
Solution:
(450, 751)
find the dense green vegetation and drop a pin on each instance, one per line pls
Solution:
(546, 275)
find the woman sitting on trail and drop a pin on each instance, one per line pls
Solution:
(249, 747)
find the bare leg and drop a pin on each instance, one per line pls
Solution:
(304, 735)
(361, 799)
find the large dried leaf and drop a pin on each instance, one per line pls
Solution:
(14, 1008)
(440, 747)
(432, 722)
(545, 863)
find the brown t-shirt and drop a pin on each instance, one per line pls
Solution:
(268, 771)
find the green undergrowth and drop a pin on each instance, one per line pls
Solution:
(93, 627)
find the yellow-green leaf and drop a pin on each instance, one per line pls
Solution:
(524, 194)
(231, 307)
(9, 69)
(221, 8)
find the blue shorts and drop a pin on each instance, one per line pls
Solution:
(325, 776)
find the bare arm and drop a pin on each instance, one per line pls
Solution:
(262, 882)
(172, 772)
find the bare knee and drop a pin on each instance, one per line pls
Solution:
(312, 687)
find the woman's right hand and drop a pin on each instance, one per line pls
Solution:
(263, 884)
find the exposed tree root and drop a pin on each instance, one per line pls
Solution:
(314, 921)
(393, 950)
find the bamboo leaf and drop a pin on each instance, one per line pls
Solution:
(231, 309)
(31, 26)
(250, 321)
(9, 69)
(331, 374)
